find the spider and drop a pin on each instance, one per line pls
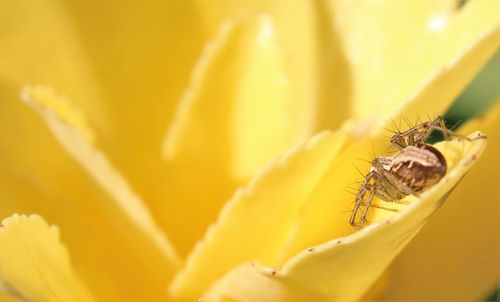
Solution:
(416, 167)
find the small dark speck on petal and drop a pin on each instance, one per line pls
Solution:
(471, 159)
(274, 273)
(310, 249)
(339, 241)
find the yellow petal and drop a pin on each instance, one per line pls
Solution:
(343, 269)
(102, 218)
(34, 265)
(250, 283)
(235, 115)
(259, 220)
(325, 215)
(240, 79)
(401, 51)
(317, 69)
(142, 55)
(6, 297)
(125, 65)
(459, 246)
(69, 128)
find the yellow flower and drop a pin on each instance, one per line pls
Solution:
(153, 156)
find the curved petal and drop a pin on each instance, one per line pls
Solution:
(142, 55)
(433, 96)
(70, 129)
(123, 63)
(34, 265)
(265, 82)
(38, 43)
(399, 51)
(345, 268)
(250, 283)
(117, 249)
(237, 113)
(459, 246)
(240, 79)
(259, 220)
(318, 73)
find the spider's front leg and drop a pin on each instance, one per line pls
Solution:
(366, 191)
(449, 134)
(413, 136)
(418, 134)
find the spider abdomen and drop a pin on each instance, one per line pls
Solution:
(416, 168)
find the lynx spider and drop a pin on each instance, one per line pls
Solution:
(416, 167)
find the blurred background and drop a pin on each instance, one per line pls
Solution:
(477, 97)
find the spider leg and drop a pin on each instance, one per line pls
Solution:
(412, 136)
(383, 208)
(366, 188)
(448, 134)
(419, 133)
(368, 203)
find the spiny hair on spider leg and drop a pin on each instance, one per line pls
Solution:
(354, 185)
(389, 130)
(407, 121)
(373, 154)
(375, 206)
(350, 191)
(363, 160)
(395, 128)
(348, 209)
(372, 157)
(429, 118)
(358, 170)
(398, 129)
(418, 121)
(390, 149)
